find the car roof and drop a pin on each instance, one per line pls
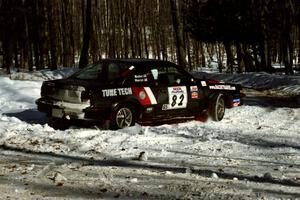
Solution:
(138, 61)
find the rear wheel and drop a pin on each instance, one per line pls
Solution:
(217, 107)
(59, 123)
(122, 117)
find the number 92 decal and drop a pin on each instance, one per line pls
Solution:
(177, 98)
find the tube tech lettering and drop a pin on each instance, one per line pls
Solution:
(116, 92)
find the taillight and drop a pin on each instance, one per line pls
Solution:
(85, 96)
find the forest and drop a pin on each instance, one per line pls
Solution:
(237, 36)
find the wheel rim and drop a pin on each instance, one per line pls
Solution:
(220, 108)
(124, 118)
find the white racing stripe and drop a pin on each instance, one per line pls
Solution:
(150, 95)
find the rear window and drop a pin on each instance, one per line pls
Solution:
(113, 73)
(91, 72)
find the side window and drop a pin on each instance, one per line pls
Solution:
(163, 78)
(169, 75)
(113, 71)
(117, 73)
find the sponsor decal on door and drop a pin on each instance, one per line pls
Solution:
(194, 92)
(177, 98)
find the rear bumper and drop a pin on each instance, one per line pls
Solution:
(61, 109)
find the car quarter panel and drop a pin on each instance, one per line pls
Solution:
(232, 92)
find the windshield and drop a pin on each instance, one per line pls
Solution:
(91, 72)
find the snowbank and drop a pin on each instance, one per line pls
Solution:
(44, 74)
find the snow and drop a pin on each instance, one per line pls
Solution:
(252, 153)
(45, 74)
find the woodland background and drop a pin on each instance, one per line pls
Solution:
(237, 35)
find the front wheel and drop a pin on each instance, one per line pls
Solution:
(122, 117)
(217, 107)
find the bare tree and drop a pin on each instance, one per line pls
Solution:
(84, 57)
(178, 29)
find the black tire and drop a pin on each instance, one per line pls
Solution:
(122, 116)
(59, 123)
(217, 109)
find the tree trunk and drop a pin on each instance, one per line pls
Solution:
(299, 40)
(288, 56)
(28, 50)
(125, 30)
(178, 29)
(8, 54)
(229, 54)
(256, 60)
(220, 57)
(84, 57)
(189, 53)
(36, 33)
(145, 42)
(52, 34)
(240, 58)
(67, 34)
(265, 56)
(17, 63)
(287, 39)
(248, 60)
(203, 58)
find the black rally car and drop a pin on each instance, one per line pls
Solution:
(124, 91)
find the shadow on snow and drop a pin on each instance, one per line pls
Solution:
(272, 101)
(30, 116)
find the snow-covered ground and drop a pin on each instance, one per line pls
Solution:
(253, 153)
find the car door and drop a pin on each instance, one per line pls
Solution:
(151, 88)
(147, 91)
(176, 91)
